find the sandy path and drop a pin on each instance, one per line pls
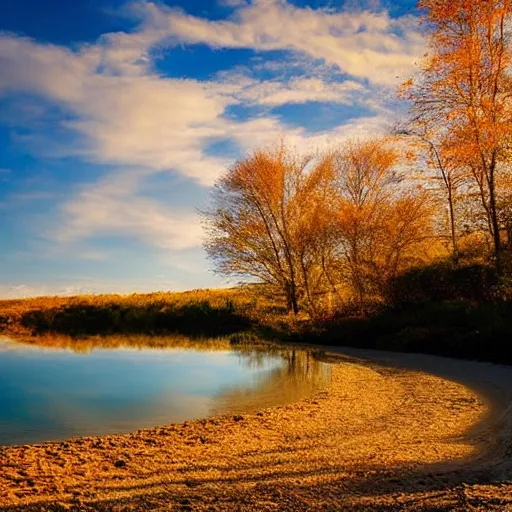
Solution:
(386, 435)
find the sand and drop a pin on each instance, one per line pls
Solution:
(392, 432)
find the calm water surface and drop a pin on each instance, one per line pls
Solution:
(54, 394)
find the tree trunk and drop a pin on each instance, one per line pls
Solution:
(494, 216)
(305, 277)
(452, 226)
(291, 297)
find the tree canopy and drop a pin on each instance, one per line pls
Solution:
(339, 226)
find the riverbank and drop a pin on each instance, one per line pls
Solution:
(384, 436)
(464, 329)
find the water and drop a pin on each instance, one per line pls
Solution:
(54, 394)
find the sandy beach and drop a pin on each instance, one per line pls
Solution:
(392, 432)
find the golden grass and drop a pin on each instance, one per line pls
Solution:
(198, 314)
(215, 296)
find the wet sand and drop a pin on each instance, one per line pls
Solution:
(392, 432)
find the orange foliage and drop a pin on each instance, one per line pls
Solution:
(464, 92)
(314, 226)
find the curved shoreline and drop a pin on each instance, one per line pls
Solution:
(386, 435)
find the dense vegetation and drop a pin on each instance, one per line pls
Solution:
(342, 225)
(401, 242)
(194, 314)
(443, 309)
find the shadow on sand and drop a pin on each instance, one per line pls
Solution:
(481, 483)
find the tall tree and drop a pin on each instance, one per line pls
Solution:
(465, 87)
(262, 220)
(440, 171)
(382, 224)
(364, 172)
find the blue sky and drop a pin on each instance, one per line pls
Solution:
(117, 117)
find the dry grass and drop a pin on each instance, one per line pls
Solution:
(215, 296)
(16, 308)
(219, 311)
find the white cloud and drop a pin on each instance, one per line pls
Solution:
(129, 119)
(152, 122)
(29, 67)
(113, 207)
(273, 93)
(135, 119)
(267, 132)
(233, 3)
(367, 45)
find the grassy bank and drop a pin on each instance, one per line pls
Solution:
(201, 313)
(462, 328)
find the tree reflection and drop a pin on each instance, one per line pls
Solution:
(104, 393)
(299, 375)
(87, 345)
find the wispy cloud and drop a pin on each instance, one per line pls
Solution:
(246, 89)
(367, 45)
(112, 207)
(124, 113)
(233, 3)
(132, 118)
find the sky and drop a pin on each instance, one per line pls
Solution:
(117, 117)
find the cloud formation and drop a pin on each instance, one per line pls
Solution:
(366, 45)
(125, 113)
(113, 207)
(132, 118)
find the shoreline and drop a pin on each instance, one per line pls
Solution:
(385, 435)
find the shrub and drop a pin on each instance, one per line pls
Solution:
(443, 281)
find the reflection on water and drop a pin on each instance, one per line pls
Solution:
(49, 393)
(298, 375)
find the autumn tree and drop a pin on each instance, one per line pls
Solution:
(382, 224)
(440, 171)
(317, 226)
(311, 226)
(263, 221)
(464, 88)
